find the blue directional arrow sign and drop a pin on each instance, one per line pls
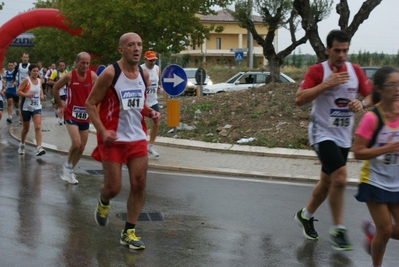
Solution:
(174, 80)
(239, 56)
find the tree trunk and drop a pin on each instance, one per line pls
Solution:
(274, 65)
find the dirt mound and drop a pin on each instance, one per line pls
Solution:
(267, 115)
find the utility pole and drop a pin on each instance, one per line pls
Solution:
(250, 45)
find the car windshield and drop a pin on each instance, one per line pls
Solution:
(234, 78)
(190, 73)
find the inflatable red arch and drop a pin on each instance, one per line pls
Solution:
(39, 17)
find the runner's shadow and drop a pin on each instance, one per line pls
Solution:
(339, 259)
(305, 253)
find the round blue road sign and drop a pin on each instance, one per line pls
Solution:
(174, 80)
(100, 69)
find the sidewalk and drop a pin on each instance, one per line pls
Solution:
(202, 157)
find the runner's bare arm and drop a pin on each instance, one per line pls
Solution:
(97, 94)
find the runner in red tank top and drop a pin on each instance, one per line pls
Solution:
(121, 139)
(79, 83)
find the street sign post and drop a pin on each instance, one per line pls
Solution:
(174, 80)
(200, 76)
(239, 57)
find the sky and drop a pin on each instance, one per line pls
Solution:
(376, 34)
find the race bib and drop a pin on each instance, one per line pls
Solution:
(79, 113)
(152, 89)
(340, 118)
(388, 159)
(34, 101)
(132, 99)
(9, 84)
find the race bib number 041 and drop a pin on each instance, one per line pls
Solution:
(132, 99)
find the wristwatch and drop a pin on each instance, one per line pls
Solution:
(364, 104)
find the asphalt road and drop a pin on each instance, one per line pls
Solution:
(188, 219)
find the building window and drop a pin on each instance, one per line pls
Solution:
(218, 43)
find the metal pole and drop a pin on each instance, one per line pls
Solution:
(201, 89)
(250, 44)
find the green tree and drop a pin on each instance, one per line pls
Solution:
(309, 21)
(275, 14)
(164, 25)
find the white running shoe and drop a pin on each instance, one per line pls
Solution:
(68, 175)
(21, 149)
(40, 151)
(152, 151)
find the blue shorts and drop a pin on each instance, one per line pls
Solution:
(14, 97)
(366, 192)
(83, 126)
(27, 115)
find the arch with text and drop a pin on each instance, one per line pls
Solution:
(39, 17)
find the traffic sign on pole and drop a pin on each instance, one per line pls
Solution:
(238, 56)
(174, 80)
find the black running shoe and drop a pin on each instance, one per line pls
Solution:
(339, 240)
(307, 225)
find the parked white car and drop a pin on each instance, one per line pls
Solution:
(243, 80)
(191, 83)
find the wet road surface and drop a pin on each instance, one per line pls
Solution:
(187, 220)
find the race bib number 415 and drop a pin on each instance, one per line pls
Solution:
(340, 118)
(132, 99)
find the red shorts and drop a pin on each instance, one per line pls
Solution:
(120, 152)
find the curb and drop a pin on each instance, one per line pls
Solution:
(221, 148)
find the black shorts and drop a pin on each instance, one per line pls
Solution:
(331, 156)
(14, 97)
(155, 107)
(1, 105)
(63, 98)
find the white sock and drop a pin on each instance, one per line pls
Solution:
(339, 226)
(68, 165)
(307, 214)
